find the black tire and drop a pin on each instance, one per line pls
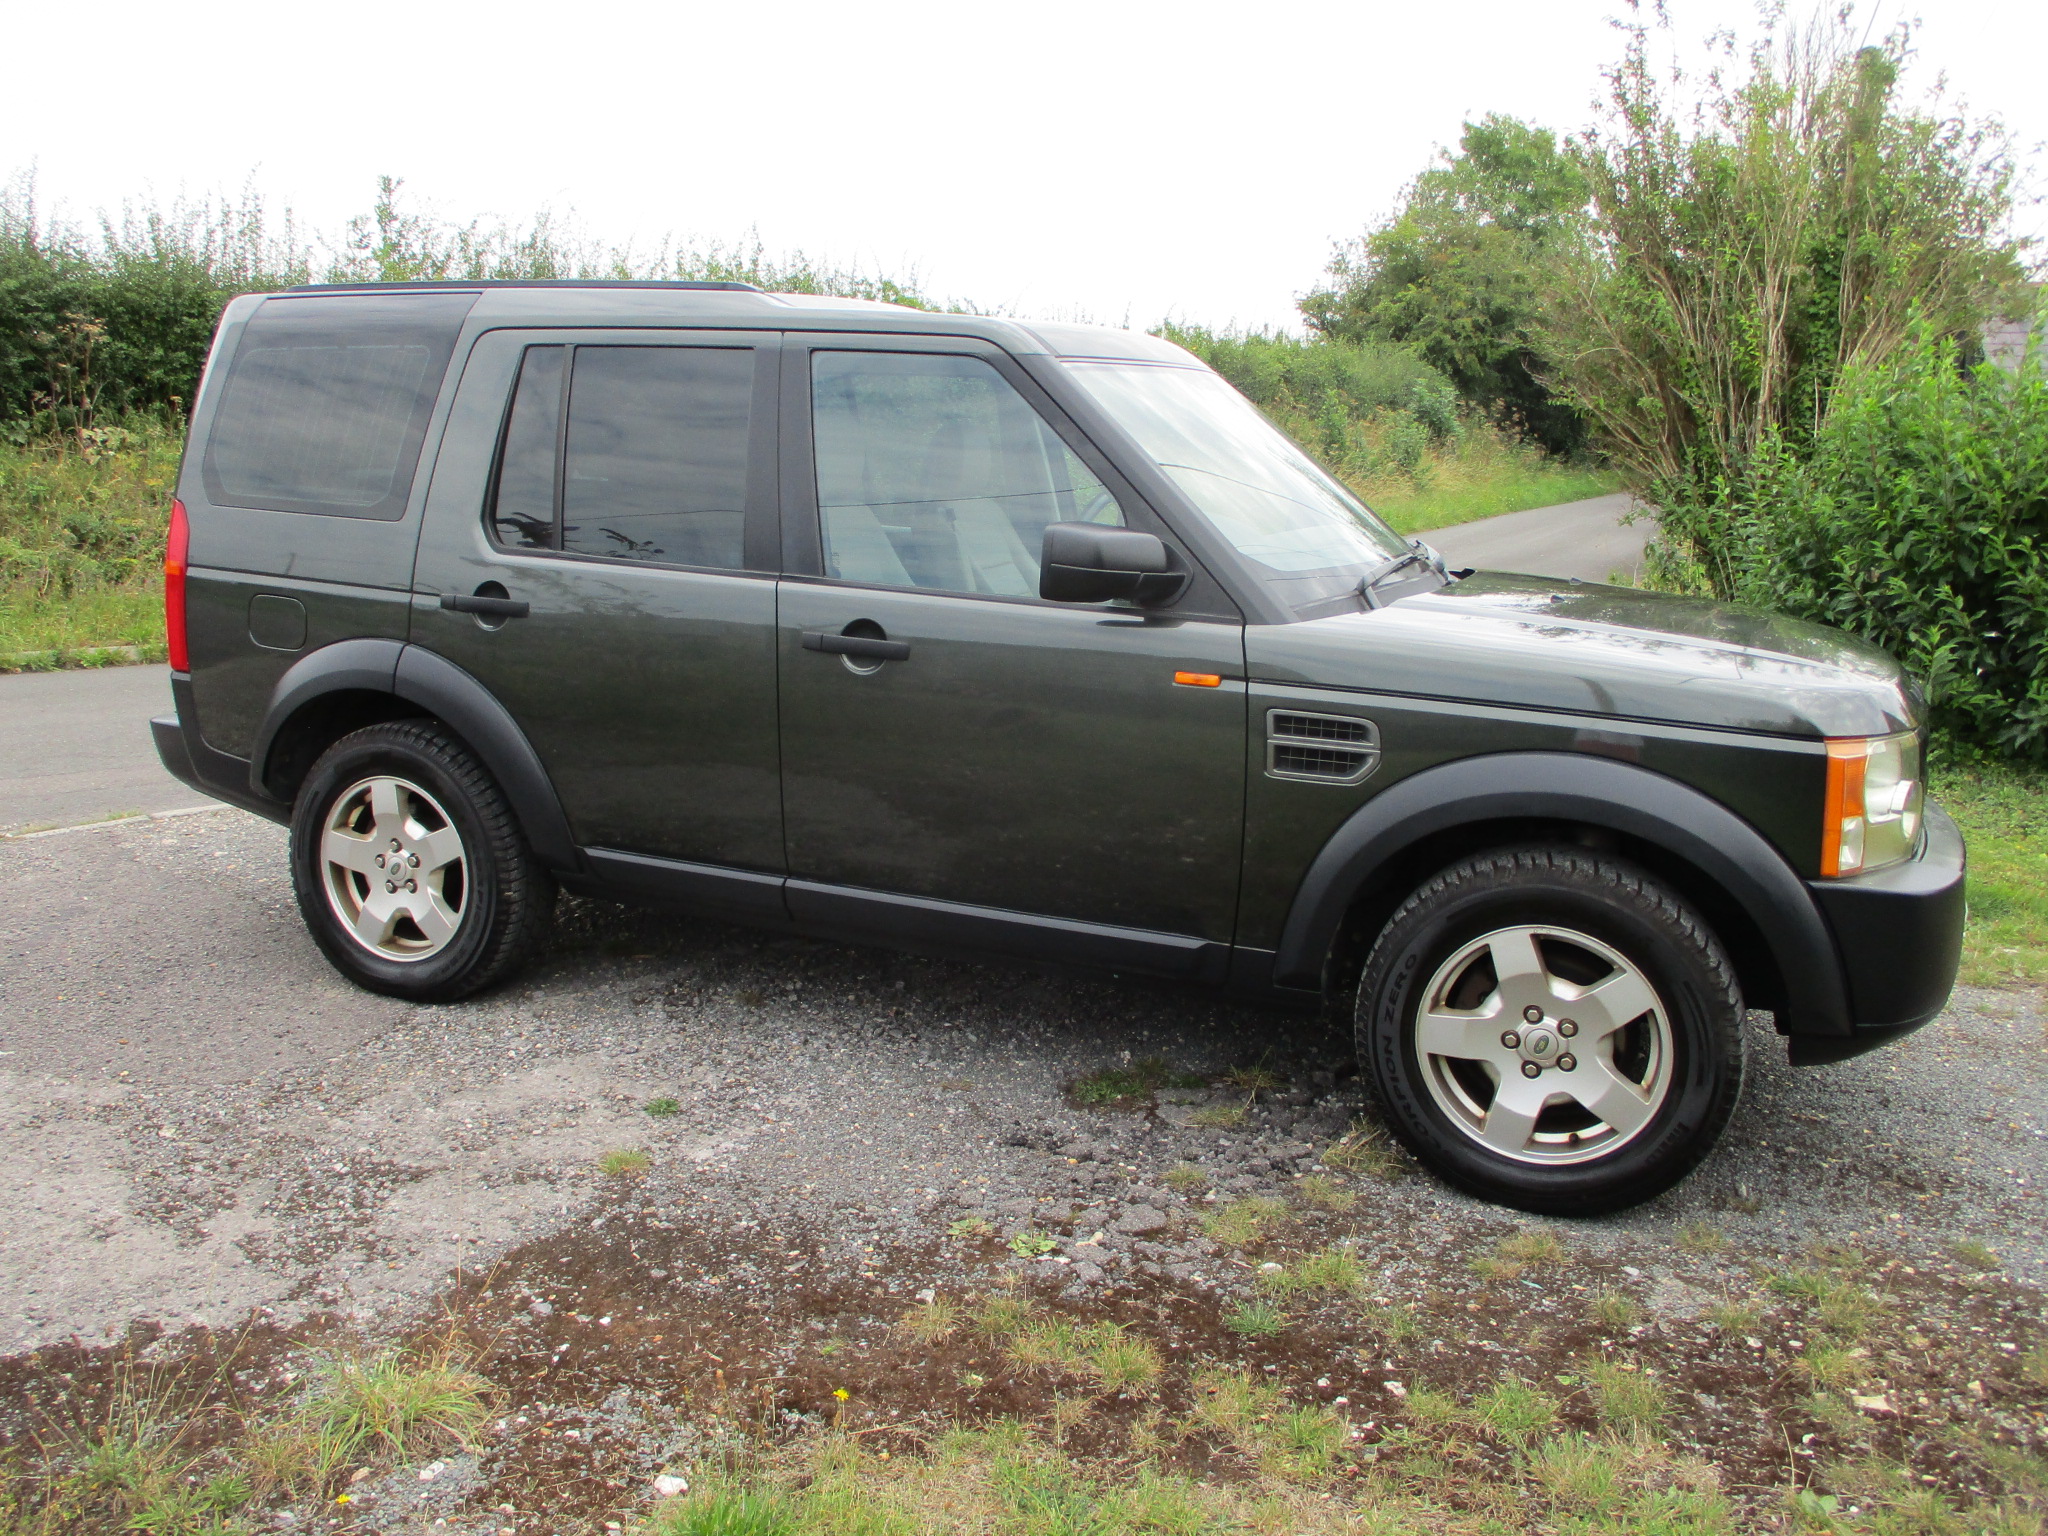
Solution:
(1448, 929)
(502, 899)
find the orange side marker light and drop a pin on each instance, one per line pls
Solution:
(1198, 679)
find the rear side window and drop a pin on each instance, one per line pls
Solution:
(326, 402)
(649, 463)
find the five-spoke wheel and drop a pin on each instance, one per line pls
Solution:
(1551, 1028)
(1544, 1044)
(409, 866)
(394, 868)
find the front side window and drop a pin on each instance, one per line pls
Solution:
(326, 402)
(649, 463)
(934, 472)
(1262, 493)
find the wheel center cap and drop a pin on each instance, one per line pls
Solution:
(1539, 1045)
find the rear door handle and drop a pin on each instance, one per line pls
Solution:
(495, 607)
(856, 645)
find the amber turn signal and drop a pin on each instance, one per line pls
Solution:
(1198, 679)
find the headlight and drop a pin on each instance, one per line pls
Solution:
(1873, 806)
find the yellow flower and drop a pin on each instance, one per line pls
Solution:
(341, 1498)
(841, 1393)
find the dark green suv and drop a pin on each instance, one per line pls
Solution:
(973, 634)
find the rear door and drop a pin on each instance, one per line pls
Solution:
(1052, 777)
(621, 486)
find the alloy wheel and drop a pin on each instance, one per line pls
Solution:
(1544, 1045)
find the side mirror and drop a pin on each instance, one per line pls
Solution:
(1092, 563)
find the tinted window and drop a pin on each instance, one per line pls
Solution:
(523, 509)
(326, 402)
(934, 472)
(656, 464)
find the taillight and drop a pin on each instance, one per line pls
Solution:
(176, 548)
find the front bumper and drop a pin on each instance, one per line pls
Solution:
(1899, 932)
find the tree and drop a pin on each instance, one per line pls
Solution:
(1458, 273)
(1749, 244)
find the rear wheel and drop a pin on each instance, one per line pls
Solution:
(1552, 1029)
(409, 867)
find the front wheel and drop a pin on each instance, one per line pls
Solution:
(1552, 1029)
(410, 868)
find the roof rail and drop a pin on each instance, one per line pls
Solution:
(517, 282)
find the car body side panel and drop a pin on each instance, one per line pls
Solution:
(1775, 784)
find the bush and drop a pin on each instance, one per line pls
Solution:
(1920, 522)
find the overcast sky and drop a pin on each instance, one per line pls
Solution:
(1112, 160)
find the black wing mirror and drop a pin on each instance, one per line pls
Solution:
(1093, 563)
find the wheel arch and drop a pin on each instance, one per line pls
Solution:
(355, 683)
(1783, 952)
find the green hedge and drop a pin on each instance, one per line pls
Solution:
(1920, 521)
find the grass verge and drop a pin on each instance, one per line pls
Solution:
(2003, 812)
(81, 545)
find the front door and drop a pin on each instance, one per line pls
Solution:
(629, 502)
(998, 760)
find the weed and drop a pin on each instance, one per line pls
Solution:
(1255, 1319)
(1331, 1269)
(1829, 1365)
(1531, 1245)
(1186, 1177)
(2034, 1366)
(1702, 1237)
(1242, 1223)
(1579, 1473)
(1614, 1311)
(1974, 1254)
(929, 1322)
(1253, 1080)
(1432, 1408)
(1395, 1322)
(970, 1227)
(1031, 1245)
(1733, 1316)
(1628, 1400)
(1123, 1085)
(1514, 1411)
(1002, 1315)
(394, 1406)
(1363, 1149)
(1324, 1193)
(1841, 1307)
(722, 1513)
(1124, 1363)
(1218, 1117)
(623, 1160)
(662, 1108)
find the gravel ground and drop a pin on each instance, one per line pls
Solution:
(200, 1119)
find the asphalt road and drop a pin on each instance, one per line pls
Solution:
(1586, 539)
(75, 747)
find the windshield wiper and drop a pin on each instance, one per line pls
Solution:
(1417, 553)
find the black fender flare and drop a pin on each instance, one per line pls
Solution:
(439, 688)
(1556, 786)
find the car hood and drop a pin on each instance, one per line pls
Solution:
(1538, 642)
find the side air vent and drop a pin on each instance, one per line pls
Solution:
(1323, 749)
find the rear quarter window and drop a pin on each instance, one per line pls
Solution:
(326, 401)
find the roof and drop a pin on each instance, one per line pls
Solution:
(742, 306)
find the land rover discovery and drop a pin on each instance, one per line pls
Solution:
(977, 634)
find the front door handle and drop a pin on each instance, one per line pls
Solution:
(492, 607)
(856, 645)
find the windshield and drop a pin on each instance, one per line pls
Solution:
(1260, 491)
